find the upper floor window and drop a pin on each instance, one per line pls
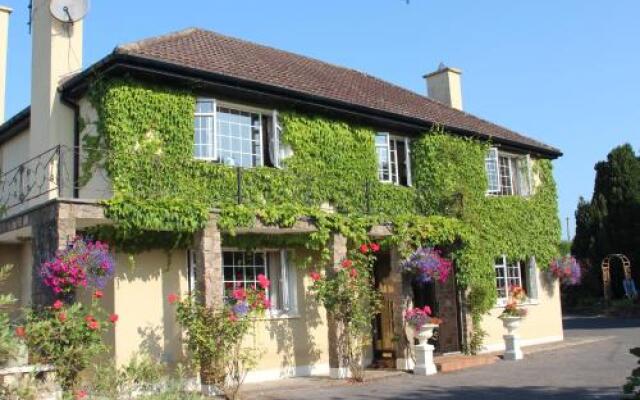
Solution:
(236, 136)
(394, 161)
(508, 174)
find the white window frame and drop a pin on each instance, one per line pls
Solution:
(241, 108)
(531, 279)
(287, 284)
(519, 188)
(392, 157)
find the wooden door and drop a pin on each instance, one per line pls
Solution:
(383, 332)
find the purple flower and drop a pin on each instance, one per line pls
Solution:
(241, 308)
(427, 264)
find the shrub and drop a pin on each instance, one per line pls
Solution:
(67, 337)
(8, 343)
(349, 296)
(632, 387)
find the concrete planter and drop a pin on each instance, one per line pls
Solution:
(512, 350)
(424, 352)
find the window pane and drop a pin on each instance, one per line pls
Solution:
(506, 187)
(239, 135)
(491, 165)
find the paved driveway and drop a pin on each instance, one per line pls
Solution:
(595, 370)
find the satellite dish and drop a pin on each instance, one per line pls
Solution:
(69, 11)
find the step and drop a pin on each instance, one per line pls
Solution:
(456, 362)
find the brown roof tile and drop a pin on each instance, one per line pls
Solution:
(212, 52)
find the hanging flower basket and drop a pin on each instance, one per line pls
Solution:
(82, 263)
(567, 270)
(427, 264)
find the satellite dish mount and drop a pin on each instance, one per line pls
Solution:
(69, 11)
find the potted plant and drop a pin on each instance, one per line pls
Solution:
(423, 322)
(427, 265)
(512, 314)
(567, 270)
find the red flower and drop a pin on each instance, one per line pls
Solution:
(89, 318)
(81, 394)
(93, 325)
(98, 294)
(21, 332)
(172, 298)
(353, 273)
(364, 249)
(233, 317)
(113, 318)
(62, 317)
(427, 310)
(375, 247)
(315, 276)
(347, 263)
(58, 305)
(263, 281)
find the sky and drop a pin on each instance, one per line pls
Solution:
(563, 72)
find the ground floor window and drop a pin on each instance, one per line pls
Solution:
(510, 274)
(240, 269)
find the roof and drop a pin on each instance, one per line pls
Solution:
(212, 52)
(16, 124)
(221, 57)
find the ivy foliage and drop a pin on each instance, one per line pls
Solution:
(162, 195)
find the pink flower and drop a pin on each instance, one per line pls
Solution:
(89, 318)
(263, 281)
(239, 294)
(427, 310)
(98, 294)
(57, 305)
(93, 325)
(315, 276)
(81, 394)
(364, 249)
(113, 318)
(62, 317)
(172, 298)
(375, 247)
(347, 263)
(353, 273)
(233, 317)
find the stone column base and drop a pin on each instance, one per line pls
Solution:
(512, 350)
(424, 360)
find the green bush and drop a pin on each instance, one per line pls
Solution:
(8, 342)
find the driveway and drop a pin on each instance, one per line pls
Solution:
(594, 367)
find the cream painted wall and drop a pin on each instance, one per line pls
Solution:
(14, 151)
(99, 186)
(543, 322)
(19, 282)
(147, 321)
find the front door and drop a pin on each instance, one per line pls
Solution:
(383, 333)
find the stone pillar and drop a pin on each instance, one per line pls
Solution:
(208, 254)
(53, 227)
(402, 299)
(339, 368)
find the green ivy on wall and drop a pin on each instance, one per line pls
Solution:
(162, 195)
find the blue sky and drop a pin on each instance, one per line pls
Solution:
(564, 72)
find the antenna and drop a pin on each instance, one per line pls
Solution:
(69, 11)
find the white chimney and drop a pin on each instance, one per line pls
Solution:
(445, 86)
(56, 54)
(5, 12)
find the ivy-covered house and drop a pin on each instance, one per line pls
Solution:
(207, 160)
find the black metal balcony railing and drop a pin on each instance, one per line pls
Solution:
(52, 173)
(32, 179)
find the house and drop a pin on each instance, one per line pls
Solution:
(136, 146)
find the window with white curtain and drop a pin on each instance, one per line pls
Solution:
(394, 161)
(240, 269)
(510, 274)
(236, 135)
(508, 174)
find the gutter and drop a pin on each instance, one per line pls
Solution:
(74, 87)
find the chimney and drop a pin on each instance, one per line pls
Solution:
(445, 86)
(56, 54)
(5, 12)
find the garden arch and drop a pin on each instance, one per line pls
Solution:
(606, 272)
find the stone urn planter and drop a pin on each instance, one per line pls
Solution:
(424, 351)
(512, 350)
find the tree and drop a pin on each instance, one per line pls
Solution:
(610, 222)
